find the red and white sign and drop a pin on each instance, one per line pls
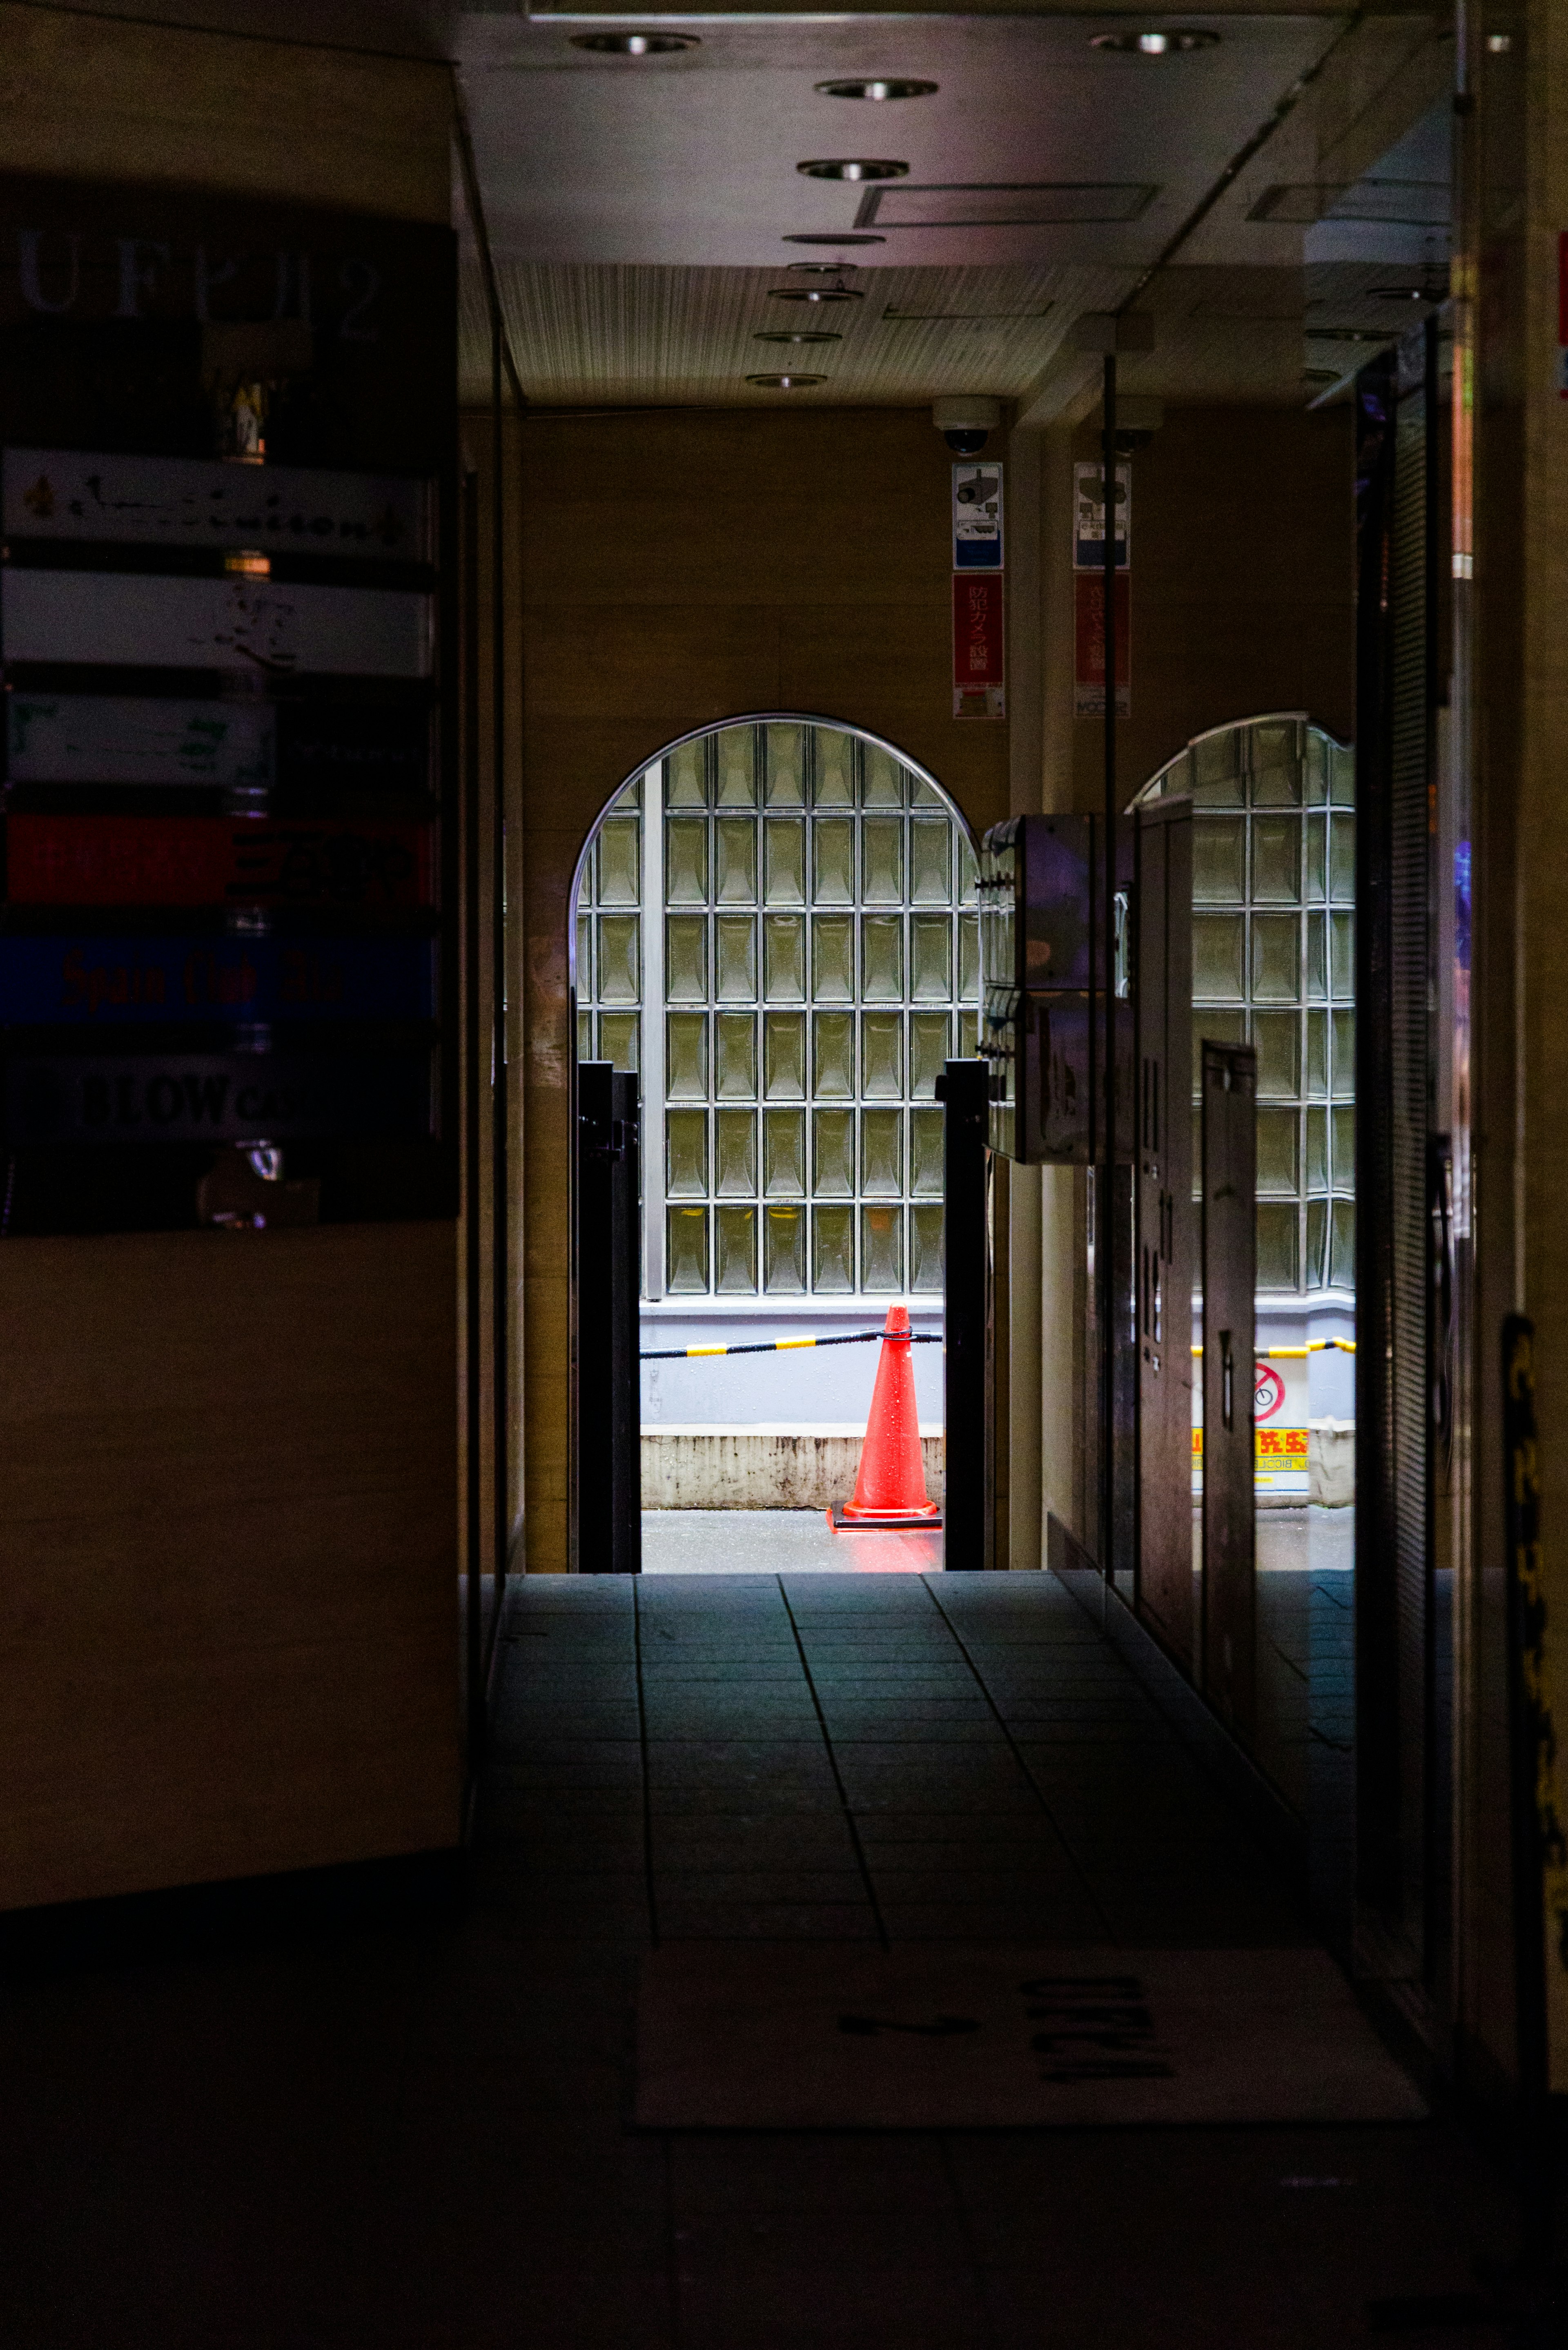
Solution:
(1089, 643)
(1268, 1392)
(980, 688)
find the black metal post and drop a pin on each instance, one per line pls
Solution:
(500, 1285)
(626, 1411)
(472, 1355)
(963, 1091)
(596, 1295)
(1106, 1208)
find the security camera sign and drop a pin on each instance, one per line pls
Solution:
(1089, 518)
(977, 518)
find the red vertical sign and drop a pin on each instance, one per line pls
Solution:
(1089, 643)
(979, 639)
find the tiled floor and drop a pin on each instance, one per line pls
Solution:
(415, 2137)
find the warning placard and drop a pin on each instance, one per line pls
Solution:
(1089, 643)
(979, 646)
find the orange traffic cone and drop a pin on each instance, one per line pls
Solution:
(890, 1489)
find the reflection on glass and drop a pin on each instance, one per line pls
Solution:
(735, 846)
(783, 1153)
(835, 785)
(686, 1055)
(881, 1248)
(884, 779)
(832, 1249)
(687, 783)
(882, 1153)
(1277, 1035)
(1276, 957)
(928, 1048)
(1278, 1149)
(1219, 860)
(686, 958)
(620, 1035)
(931, 861)
(833, 861)
(924, 1248)
(1218, 942)
(618, 975)
(926, 1152)
(834, 1055)
(931, 958)
(735, 1254)
(833, 1153)
(784, 1056)
(784, 1251)
(882, 958)
(784, 750)
(882, 860)
(783, 958)
(736, 1046)
(1278, 1245)
(832, 958)
(737, 767)
(686, 1154)
(882, 1050)
(1276, 860)
(686, 861)
(686, 1251)
(620, 871)
(737, 943)
(783, 852)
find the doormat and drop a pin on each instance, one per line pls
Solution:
(938, 2035)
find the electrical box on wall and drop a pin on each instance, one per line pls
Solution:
(1041, 974)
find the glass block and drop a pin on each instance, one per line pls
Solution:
(881, 958)
(968, 1035)
(834, 786)
(1314, 1273)
(968, 959)
(1277, 958)
(735, 1252)
(735, 1056)
(1219, 860)
(783, 861)
(686, 1056)
(882, 1055)
(784, 1251)
(630, 795)
(1315, 767)
(686, 1252)
(881, 860)
(686, 1154)
(1277, 1035)
(1314, 885)
(931, 958)
(1216, 770)
(968, 872)
(833, 958)
(1279, 1244)
(882, 1153)
(884, 784)
(619, 976)
(783, 958)
(620, 1039)
(584, 1036)
(1341, 776)
(1276, 860)
(1343, 1149)
(881, 1248)
(833, 1249)
(686, 958)
(833, 1153)
(585, 972)
(925, 1152)
(686, 775)
(833, 861)
(1317, 1150)
(1277, 786)
(1213, 1028)
(1273, 743)
(931, 861)
(1342, 1245)
(735, 938)
(1341, 943)
(925, 1249)
(1344, 1052)
(1342, 860)
(833, 1055)
(784, 750)
(784, 1056)
(921, 794)
(1317, 1053)
(1279, 1151)
(735, 860)
(737, 758)
(686, 861)
(1218, 942)
(620, 861)
(1315, 975)
(930, 1046)
(783, 1153)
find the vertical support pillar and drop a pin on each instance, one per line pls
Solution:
(625, 1428)
(964, 1087)
(1230, 1246)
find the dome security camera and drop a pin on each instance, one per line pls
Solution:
(966, 423)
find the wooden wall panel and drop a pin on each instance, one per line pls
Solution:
(227, 1554)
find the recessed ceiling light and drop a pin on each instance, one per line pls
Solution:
(1179, 42)
(786, 382)
(865, 167)
(635, 45)
(832, 240)
(816, 294)
(876, 90)
(795, 335)
(1407, 294)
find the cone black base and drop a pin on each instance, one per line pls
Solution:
(842, 1525)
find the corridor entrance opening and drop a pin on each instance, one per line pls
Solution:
(774, 929)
